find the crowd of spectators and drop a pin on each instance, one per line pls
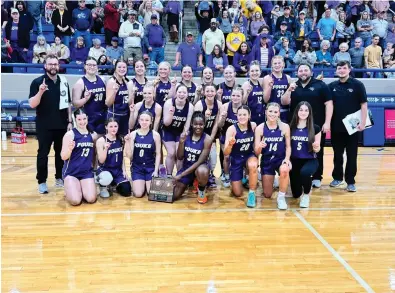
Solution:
(318, 33)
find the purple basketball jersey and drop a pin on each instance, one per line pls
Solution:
(144, 151)
(191, 91)
(192, 151)
(244, 144)
(256, 103)
(275, 143)
(121, 102)
(114, 159)
(226, 92)
(138, 96)
(208, 128)
(179, 119)
(162, 91)
(300, 144)
(231, 119)
(97, 101)
(143, 108)
(279, 88)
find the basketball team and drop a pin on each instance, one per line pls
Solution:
(269, 129)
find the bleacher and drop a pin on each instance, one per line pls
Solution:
(15, 113)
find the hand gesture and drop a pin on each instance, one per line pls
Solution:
(199, 89)
(316, 147)
(271, 82)
(224, 114)
(262, 144)
(156, 81)
(172, 110)
(107, 145)
(232, 141)
(220, 92)
(87, 94)
(131, 108)
(207, 114)
(183, 137)
(116, 87)
(127, 137)
(43, 87)
(249, 89)
(71, 145)
(292, 86)
(174, 81)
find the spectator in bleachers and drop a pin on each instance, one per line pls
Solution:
(218, 7)
(287, 53)
(334, 13)
(283, 32)
(303, 29)
(288, 19)
(40, 50)
(275, 14)
(380, 28)
(174, 11)
(157, 6)
(217, 61)
(155, 40)
(311, 14)
(123, 8)
(132, 32)
(225, 24)
(190, 53)
(49, 8)
(345, 28)
(267, 7)
(103, 60)
(366, 5)
(4, 16)
(324, 58)
(356, 54)
(342, 55)
(242, 60)
(61, 51)
(79, 52)
(255, 25)
(111, 21)
(83, 22)
(391, 63)
(365, 27)
(263, 31)
(18, 33)
(146, 11)
(212, 37)
(380, 6)
(243, 23)
(263, 53)
(387, 54)
(98, 17)
(233, 41)
(36, 10)
(24, 16)
(306, 55)
(6, 52)
(63, 27)
(391, 30)
(372, 56)
(114, 52)
(97, 50)
(234, 10)
(326, 27)
(251, 9)
(204, 19)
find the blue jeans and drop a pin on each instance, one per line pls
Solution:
(87, 37)
(373, 75)
(199, 39)
(66, 41)
(366, 41)
(157, 55)
(39, 25)
(383, 43)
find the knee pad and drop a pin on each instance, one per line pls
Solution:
(124, 189)
(105, 178)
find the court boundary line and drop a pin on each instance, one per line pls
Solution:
(181, 211)
(334, 253)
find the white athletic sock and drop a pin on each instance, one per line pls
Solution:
(227, 176)
(281, 194)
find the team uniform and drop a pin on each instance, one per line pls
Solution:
(144, 153)
(95, 108)
(208, 127)
(174, 130)
(79, 165)
(138, 96)
(274, 153)
(191, 91)
(256, 103)
(142, 109)
(242, 150)
(162, 91)
(120, 109)
(192, 151)
(226, 92)
(114, 162)
(231, 119)
(280, 86)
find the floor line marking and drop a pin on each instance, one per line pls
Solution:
(180, 211)
(335, 254)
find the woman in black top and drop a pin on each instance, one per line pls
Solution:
(61, 20)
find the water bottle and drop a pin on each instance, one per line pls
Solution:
(162, 171)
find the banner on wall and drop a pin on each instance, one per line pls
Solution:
(389, 123)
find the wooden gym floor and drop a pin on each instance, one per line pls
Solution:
(344, 243)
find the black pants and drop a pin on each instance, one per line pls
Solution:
(108, 34)
(300, 175)
(342, 141)
(45, 140)
(320, 157)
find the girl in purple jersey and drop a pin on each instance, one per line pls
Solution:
(239, 145)
(148, 104)
(163, 84)
(206, 79)
(77, 152)
(272, 140)
(139, 81)
(186, 79)
(305, 143)
(225, 88)
(228, 117)
(143, 147)
(193, 151)
(177, 115)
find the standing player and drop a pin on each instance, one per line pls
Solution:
(228, 118)
(162, 83)
(177, 115)
(239, 144)
(143, 147)
(118, 97)
(193, 150)
(272, 140)
(305, 144)
(225, 88)
(206, 79)
(148, 104)
(90, 92)
(110, 156)
(186, 79)
(139, 81)
(77, 152)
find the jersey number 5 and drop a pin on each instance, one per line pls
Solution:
(299, 146)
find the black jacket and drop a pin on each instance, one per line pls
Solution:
(65, 22)
(23, 33)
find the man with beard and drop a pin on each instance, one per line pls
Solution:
(50, 96)
(317, 93)
(211, 37)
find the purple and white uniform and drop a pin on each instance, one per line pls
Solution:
(138, 96)
(174, 130)
(300, 144)
(95, 108)
(120, 109)
(274, 152)
(226, 92)
(191, 91)
(162, 91)
(144, 153)
(231, 119)
(79, 165)
(256, 103)
(208, 128)
(143, 108)
(280, 86)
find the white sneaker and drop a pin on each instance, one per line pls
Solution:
(276, 183)
(259, 175)
(316, 183)
(304, 201)
(281, 203)
(104, 193)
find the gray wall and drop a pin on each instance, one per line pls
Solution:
(16, 86)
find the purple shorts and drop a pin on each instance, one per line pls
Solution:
(168, 136)
(237, 165)
(96, 122)
(117, 175)
(80, 175)
(142, 173)
(188, 179)
(123, 121)
(270, 166)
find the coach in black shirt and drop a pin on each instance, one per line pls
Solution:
(317, 93)
(52, 123)
(349, 96)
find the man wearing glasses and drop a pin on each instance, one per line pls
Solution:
(82, 23)
(50, 96)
